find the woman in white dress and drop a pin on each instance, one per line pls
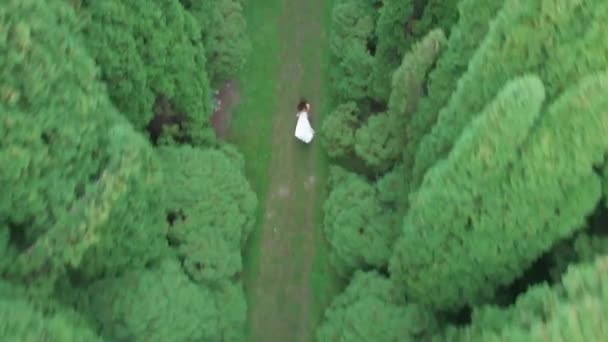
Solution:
(304, 131)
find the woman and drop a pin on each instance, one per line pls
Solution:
(304, 131)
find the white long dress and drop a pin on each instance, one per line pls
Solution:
(304, 131)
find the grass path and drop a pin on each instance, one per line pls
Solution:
(287, 280)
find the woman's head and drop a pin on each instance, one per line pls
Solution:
(303, 105)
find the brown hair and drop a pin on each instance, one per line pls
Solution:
(302, 105)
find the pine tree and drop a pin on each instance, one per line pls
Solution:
(574, 310)
(157, 304)
(505, 194)
(370, 310)
(136, 229)
(560, 41)
(440, 14)
(464, 39)
(381, 140)
(353, 23)
(338, 131)
(223, 29)
(211, 211)
(21, 321)
(152, 59)
(359, 230)
(392, 42)
(68, 158)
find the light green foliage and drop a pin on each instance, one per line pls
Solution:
(392, 42)
(464, 39)
(211, 209)
(223, 28)
(352, 28)
(443, 216)
(338, 130)
(68, 158)
(149, 51)
(502, 198)
(559, 40)
(381, 140)
(159, 304)
(575, 310)
(360, 231)
(370, 310)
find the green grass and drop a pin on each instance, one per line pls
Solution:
(251, 131)
(251, 125)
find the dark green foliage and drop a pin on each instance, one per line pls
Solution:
(575, 310)
(391, 189)
(360, 231)
(153, 62)
(502, 198)
(68, 158)
(370, 310)
(440, 14)
(338, 131)
(210, 208)
(159, 304)
(381, 140)
(223, 30)
(352, 29)
(392, 42)
(584, 247)
(464, 39)
(558, 40)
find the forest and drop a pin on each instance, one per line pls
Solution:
(466, 191)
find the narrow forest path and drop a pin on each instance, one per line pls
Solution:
(281, 289)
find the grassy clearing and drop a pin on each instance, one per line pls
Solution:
(252, 120)
(252, 129)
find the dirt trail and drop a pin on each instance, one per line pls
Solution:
(281, 311)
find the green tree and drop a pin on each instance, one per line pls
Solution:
(152, 59)
(464, 39)
(338, 131)
(232, 305)
(360, 231)
(439, 14)
(223, 28)
(159, 304)
(68, 158)
(574, 310)
(21, 321)
(392, 42)
(370, 310)
(505, 194)
(557, 40)
(353, 23)
(381, 140)
(211, 211)
(136, 228)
